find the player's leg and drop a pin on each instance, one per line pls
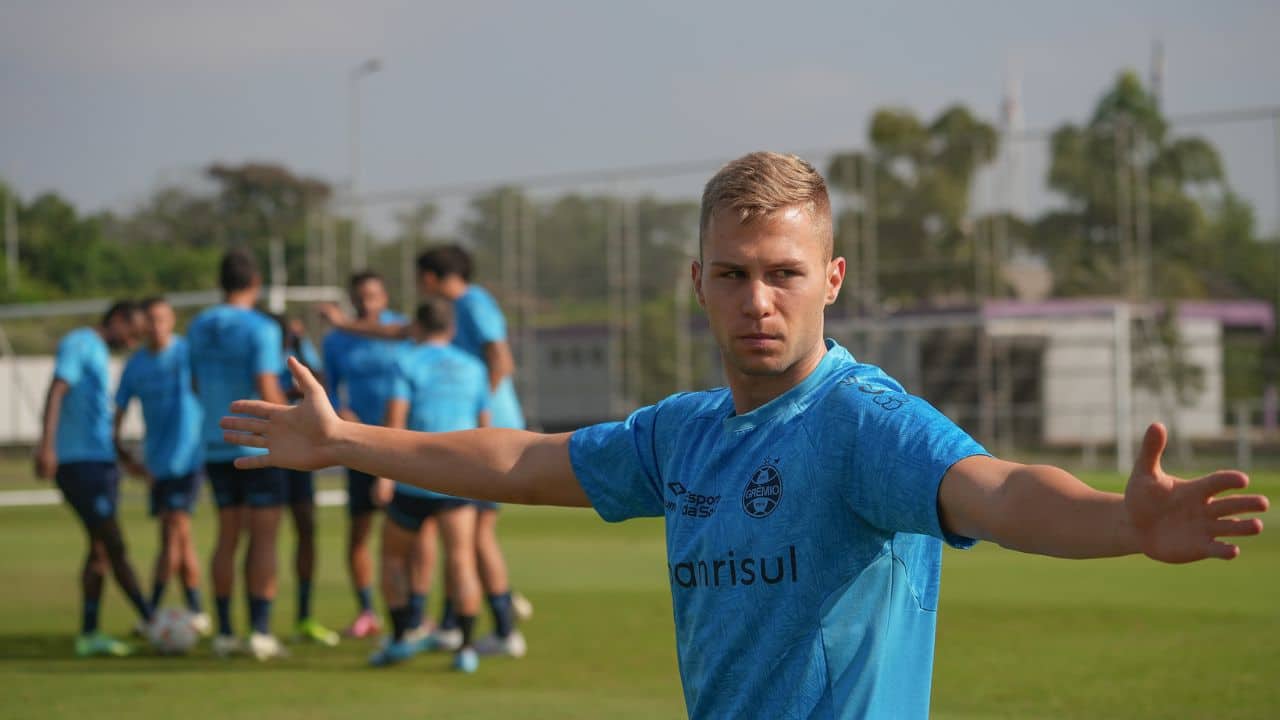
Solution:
(492, 566)
(187, 563)
(423, 563)
(106, 530)
(360, 512)
(266, 499)
(82, 491)
(302, 508)
(400, 531)
(229, 496)
(458, 533)
(165, 560)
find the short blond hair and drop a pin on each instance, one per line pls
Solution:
(761, 183)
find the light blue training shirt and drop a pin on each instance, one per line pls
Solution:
(84, 420)
(447, 389)
(478, 321)
(173, 446)
(230, 347)
(363, 367)
(803, 540)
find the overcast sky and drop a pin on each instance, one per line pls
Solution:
(104, 101)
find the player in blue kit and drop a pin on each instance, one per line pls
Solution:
(438, 388)
(807, 503)
(75, 451)
(159, 376)
(481, 330)
(300, 493)
(236, 351)
(359, 372)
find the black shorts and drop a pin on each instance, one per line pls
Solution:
(410, 511)
(300, 487)
(360, 493)
(175, 494)
(486, 505)
(257, 488)
(91, 489)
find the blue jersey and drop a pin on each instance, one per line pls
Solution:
(447, 390)
(308, 356)
(479, 321)
(230, 347)
(161, 381)
(84, 422)
(803, 540)
(364, 367)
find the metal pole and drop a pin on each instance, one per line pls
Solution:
(528, 330)
(613, 269)
(1142, 203)
(1122, 211)
(359, 255)
(10, 241)
(631, 303)
(1123, 382)
(683, 341)
(279, 277)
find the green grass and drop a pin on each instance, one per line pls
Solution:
(1018, 636)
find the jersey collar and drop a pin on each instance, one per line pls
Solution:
(794, 400)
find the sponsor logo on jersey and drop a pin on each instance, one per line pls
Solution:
(763, 491)
(732, 571)
(690, 504)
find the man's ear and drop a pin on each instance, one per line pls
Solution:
(835, 278)
(696, 270)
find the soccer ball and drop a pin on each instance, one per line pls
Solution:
(173, 631)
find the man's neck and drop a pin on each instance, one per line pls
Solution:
(160, 346)
(241, 299)
(752, 391)
(439, 340)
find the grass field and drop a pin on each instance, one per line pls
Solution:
(1018, 636)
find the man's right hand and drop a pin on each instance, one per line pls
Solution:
(331, 313)
(46, 461)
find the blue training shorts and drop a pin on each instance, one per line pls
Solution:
(258, 488)
(360, 493)
(300, 487)
(91, 489)
(410, 511)
(176, 494)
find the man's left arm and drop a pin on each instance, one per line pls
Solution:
(499, 361)
(1046, 510)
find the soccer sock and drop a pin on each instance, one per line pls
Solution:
(223, 605)
(89, 617)
(417, 601)
(304, 600)
(364, 597)
(503, 615)
(140, 604)
(157, 593)
(467, 623)
(260, 614)
(400, 621)
(448, 619)
(193, 600)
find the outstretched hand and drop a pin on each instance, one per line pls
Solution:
(299, 437)
(1179, 521)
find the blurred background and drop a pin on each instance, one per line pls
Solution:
(1062, 220)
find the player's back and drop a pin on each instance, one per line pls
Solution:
(447, 389)
(230, 346)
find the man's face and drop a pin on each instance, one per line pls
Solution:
(369, 298)
(124, 329)
(764, 286)
(159, 324)
(428, 285)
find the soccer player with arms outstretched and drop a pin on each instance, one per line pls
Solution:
(159, 375)
(807, 503)
(236, 352)
(76, 452)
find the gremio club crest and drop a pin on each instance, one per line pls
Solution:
(764, 490)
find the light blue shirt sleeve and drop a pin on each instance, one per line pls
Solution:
(268, 351)
(616, 464)
(902, 449)
(490, 325)
(400, 381)
(308, 355)
(69, 363)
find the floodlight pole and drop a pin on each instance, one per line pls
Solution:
(359, 255)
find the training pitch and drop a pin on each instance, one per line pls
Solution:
(1018, 636)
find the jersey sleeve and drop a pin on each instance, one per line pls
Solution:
(616, 464)
(400, 378)
(68, 365)
(268, 351)
(490, 325)
(308, 355)
(901, 449)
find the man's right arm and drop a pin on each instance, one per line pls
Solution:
(497, 464)
(369, 327)
(46, 456)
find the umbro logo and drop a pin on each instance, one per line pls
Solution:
(677, 488)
